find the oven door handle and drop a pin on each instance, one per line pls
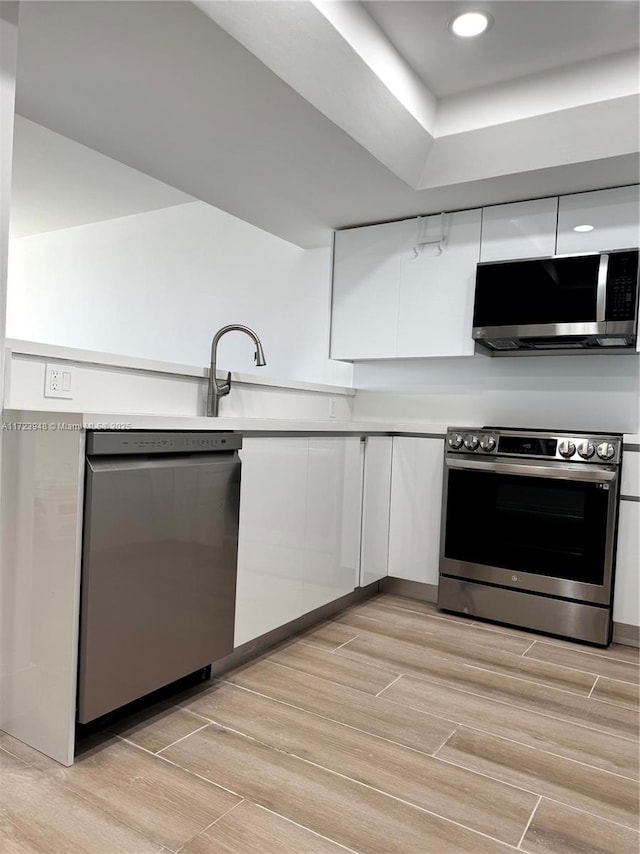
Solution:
(537, 469)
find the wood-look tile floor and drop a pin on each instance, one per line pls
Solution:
(391, 728)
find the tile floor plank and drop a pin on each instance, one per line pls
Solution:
(614, 691)
(157, 727)
(327, 636)
(424, 624)
(589, 746)
(391, 728)
(342, 810)
(345, 705)
(251, 829)
(419, 606)
(591, 662)
(516, 691)
(160, 801)
(318, 662)
(598, 792)
(557, 829)
(473, 800)
(9, 762)
(407, 656)
(614, 650)
(42, 816)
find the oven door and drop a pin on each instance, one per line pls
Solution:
(531, 525)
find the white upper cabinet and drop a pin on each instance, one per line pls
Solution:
(437, 286)
(614, 215)
(366, 283)
(520, 230)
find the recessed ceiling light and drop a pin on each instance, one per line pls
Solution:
(583, 228)
(470, 24)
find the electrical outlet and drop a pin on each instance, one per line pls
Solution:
(58, 381)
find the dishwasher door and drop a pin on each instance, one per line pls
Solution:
(158, 575)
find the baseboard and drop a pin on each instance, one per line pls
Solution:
(257, 646)
(410, 589)
(624, 634)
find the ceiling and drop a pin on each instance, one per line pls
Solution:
(527, 37)
(301, 117)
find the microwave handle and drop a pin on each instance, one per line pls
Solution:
(601, 299)
(534, 468)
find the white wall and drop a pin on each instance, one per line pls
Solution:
(159, 284)
(8, 62)
(591, 392)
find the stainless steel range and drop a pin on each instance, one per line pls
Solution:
(529, 527)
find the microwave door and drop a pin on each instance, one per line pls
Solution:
(544, 296)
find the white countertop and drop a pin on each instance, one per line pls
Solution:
(51, 420)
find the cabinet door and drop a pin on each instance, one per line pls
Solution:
(626, 598)
(271, 546)
(416, 502)
(520, 230)
(614, 215)
(436, 289)
(374, 552)
(332, 527)
(366, 281)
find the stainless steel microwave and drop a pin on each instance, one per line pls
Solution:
(571, 302)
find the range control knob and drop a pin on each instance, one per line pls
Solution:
(488, 443)
(605, 450)
(455, 441)
(586, 450)
(566, 448)
(471, 443)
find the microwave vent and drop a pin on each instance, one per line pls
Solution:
(613, 342)
(503, 344)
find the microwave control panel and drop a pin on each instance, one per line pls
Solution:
(622, 286)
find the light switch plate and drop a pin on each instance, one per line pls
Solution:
(58, 381)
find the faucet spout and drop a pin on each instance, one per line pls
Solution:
(217, 389)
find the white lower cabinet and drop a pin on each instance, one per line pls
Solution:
(332, 526)
(299, 528)
(626, 597)
(271, 538)
(416, 500)
(374, 552)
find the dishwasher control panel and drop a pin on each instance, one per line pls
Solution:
(118, 442)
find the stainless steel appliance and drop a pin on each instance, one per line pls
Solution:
(528, 529)
(159, 561)
(572, 302)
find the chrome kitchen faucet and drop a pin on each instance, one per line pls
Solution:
(217, 389)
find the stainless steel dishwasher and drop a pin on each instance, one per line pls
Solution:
(159, 561)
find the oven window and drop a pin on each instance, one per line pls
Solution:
(529, 524)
